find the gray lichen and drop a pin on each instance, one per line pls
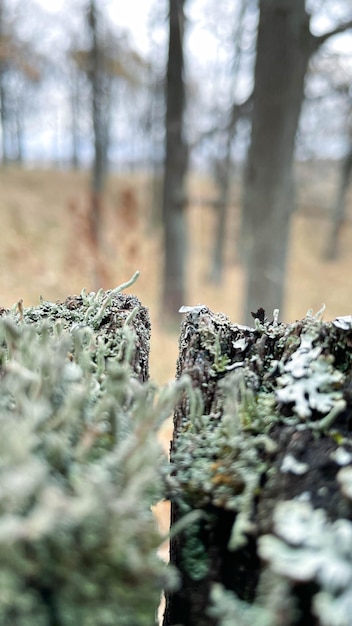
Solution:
(308, 547)
(218, 463)
(228, 610)
(273, 424)
(220, 457)
(79, 464)
(311, 383)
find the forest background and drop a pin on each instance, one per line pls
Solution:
(207, 144)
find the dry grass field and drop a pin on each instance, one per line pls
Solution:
(45, 249)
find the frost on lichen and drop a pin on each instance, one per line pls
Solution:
(79, 465)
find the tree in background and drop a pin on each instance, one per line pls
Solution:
(230, 113)
(339, 83)
(75, 80)
(284, 46)
(20, 64)
(107, 59)
(153, 120)
(100, 84)
(176, 163)
(339, 210)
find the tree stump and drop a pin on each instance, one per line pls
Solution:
(260, 477)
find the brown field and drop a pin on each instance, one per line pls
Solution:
(45, 247)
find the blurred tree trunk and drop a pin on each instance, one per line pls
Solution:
(283, 51)
(223, 171)
(223, 181)
(3, 105)
(74, 101)
(338, 216)
(99, 101)
(100, 120)
(176, 162)
(19, 135)
(3, 120)
(284, 47)
(20, 66)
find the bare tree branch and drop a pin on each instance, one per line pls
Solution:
(243, 110)
(319, 40)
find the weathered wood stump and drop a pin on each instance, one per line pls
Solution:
(261, 463)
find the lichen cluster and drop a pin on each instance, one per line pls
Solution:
(249, 380)
(272, 424)
(308, 548)
(260, 473)
(216, 462)
(79, 465)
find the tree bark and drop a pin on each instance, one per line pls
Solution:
(176, 163)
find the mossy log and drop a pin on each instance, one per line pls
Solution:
(260, 478)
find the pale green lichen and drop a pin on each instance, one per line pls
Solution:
(228, 610)
(210, 340)
(273, 605)
(344, 478)
(291, 465)
(216, 462)
(79, 468)
(258, 387)
(308, 547)
(310, 383)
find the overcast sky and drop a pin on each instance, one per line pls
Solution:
(209, 44)
(130, 14)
